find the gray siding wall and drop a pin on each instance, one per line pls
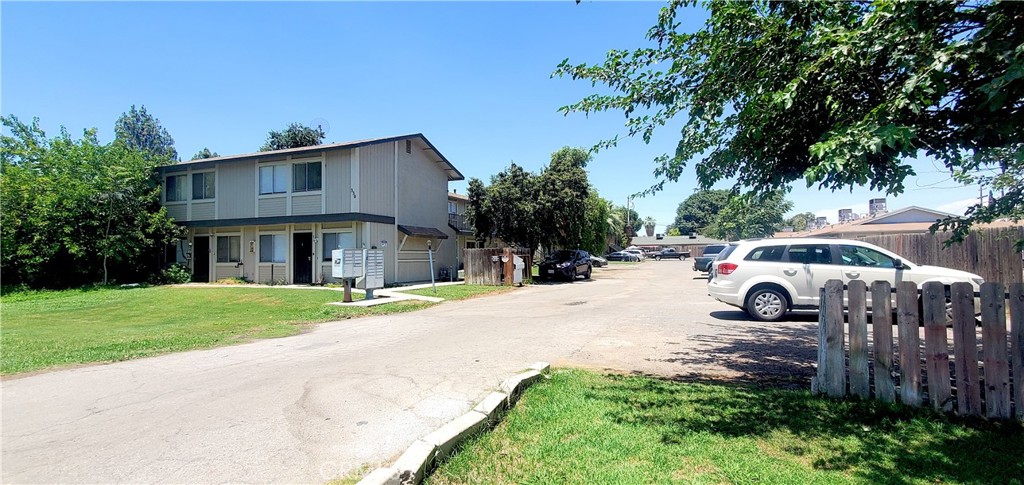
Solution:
(236, 190)
(423, 199)
(203, 211)
(306, 204)
(372, 234)
(377, 179)
(912, 215)
(178, 211)
(338, 181)
(274, 206)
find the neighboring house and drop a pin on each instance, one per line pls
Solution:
(275, 216)
(908, 220)
(464, 238)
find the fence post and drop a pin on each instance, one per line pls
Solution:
(881, 331)
(1016, 303)
(965, 350)
(993, 344)
(936, 347)
(909, 343)
(834, 383)
(860, 385)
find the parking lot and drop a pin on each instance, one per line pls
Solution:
(315, 406)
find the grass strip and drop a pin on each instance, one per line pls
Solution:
(584, 428)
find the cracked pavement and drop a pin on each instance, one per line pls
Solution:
(317, 406)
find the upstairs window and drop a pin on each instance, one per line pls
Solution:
(175, 188)
(306, 176)
(229, 249)
(203, 185)
(274, 179)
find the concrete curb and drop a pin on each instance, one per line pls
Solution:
(424, 454)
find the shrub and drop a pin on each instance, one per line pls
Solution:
(176, 273)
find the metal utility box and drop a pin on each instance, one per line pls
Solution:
(347, 263)
(374, 268)
(517, 273)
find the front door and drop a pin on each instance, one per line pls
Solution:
(302, 255)
(201, 259)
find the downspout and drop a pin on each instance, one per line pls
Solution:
(396, 209)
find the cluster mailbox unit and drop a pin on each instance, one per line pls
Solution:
(351, 264)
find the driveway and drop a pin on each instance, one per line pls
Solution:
(316, 406)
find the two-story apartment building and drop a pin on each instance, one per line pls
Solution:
(457, 222)
(276, 216)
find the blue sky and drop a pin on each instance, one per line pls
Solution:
(473, 77)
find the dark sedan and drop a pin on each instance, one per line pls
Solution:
(566, 264)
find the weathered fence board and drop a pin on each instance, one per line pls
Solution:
(1016, 304)
(993, 344)
(965, 345)
(987, 252)
(936, 347)
(860, 385)
(881, 331)
(832, 366)
(994, 392)
(909, 343)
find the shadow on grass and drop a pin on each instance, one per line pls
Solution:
(870, 440)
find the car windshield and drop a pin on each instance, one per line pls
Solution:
(563, 255)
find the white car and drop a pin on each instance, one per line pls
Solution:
(640, 256)
(769, 277)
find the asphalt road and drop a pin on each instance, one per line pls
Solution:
(316, 406)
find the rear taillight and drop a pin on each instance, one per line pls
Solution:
(726, 268)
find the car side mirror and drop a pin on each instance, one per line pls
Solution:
(898, 264)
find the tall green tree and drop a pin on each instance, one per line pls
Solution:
(799, 221)
(700, 209)
(839, 94)
(205, 153)
(478, 213)
(294, 136)
(139, 130)
(511, 208)
(750, 216)
(70, 209)
(616, 226)
(563, 190)
(595, 230)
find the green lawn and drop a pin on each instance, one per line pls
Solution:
(55, 328)
(585, 428)
(459, 292)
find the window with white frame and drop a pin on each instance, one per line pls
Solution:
(273, 248)
(337, 240)
(174, 190)
(306, 177)
(273, 179)
(453, 208)
(203, 185)
(229, 249)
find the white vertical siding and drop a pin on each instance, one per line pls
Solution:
(377, 179)
(423, 199)
(371, 234)
(236, 190)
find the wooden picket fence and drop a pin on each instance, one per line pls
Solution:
(484, 266)
(894, 366)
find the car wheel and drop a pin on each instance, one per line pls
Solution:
(766, 305)
(657, 258)
(586, 275)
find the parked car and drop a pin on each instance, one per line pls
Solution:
(622, 256)
(598, 261)
(703, 262)
(640, 256)
(567, 264)
(671, 253)
(769, 277)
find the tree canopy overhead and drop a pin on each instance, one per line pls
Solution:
(839, 94)
(294, 136)
(139, 130)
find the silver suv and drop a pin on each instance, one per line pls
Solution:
(769, 277)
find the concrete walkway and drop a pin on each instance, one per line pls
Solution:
(316, 406)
